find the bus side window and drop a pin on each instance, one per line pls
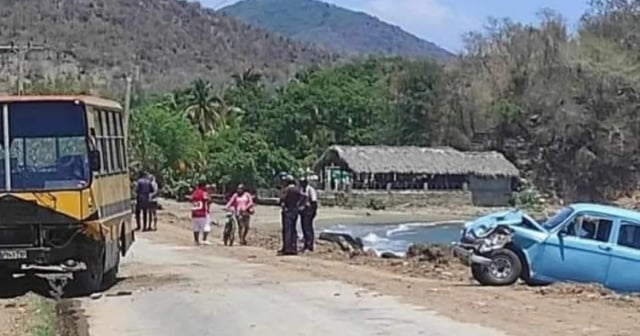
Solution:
(93, 145)
(115, 135)
(106, 145)
(121, 145)
(100, 140)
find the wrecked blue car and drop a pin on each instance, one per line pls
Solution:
(586, 243)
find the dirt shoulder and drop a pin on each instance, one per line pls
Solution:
(14, 316)
(31, 314)
(442, 287)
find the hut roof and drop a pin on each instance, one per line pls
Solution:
(417, 160)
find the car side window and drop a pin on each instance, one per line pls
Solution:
(589, 227)
(629, 235)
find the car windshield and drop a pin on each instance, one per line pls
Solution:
(558, 218)
(47, 147)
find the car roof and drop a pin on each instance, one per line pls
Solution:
(607, 209)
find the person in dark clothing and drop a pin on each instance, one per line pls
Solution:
(290, 200)
(308, 212)
(144, 189)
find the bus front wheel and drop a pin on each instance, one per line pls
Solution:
(90, 280)
(111, 276)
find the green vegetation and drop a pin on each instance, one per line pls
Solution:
(562, 108)
(42, 317)
(329, 25)
(248, 133)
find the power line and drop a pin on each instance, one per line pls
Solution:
(22, 52)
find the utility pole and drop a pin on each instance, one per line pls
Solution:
(127, 110)
(21, 52)
(127, 100)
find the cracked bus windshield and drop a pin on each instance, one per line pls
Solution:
(47, 147)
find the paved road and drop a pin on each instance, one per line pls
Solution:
(189, 291)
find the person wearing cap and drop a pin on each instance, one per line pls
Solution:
(241, 203)
(308, 212)
(290, 201)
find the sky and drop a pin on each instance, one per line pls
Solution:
(445, 21)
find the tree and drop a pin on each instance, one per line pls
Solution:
(207, 111)
(240, 156)
(161, 139)
(559, 107)
(418, 95)
(247, 78)
(339, 105)
(200, 106)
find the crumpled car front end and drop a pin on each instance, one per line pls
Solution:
(488, 245)
(471, 249)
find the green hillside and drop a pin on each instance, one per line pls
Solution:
(171, 42)
(332, 26)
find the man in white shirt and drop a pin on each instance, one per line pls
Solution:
(308, 213)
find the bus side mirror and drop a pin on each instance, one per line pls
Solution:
(94, 160)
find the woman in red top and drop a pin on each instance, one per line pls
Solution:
(200, 214)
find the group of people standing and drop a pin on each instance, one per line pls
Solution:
(146, 202)
(297, 200)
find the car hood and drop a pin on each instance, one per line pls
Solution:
(479, 226)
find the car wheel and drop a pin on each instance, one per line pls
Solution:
(504, 269)
(477, 271)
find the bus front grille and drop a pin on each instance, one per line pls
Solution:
(23, 235)
(25, 223)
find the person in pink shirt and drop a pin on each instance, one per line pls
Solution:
(241, 203)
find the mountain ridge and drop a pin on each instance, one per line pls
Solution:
(170, 42)
(332, 26)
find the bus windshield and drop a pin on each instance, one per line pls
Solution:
(47, 147)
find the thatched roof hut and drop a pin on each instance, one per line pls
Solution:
(417, 160)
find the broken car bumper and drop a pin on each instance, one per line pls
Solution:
(469, 257)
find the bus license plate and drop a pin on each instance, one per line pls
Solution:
(13, 254)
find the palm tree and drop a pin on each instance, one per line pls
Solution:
(226, 115)
(176, 100)
(208, 111)
(200, 106)
(246, 78)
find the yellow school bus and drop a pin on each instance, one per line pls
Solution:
(65, 203)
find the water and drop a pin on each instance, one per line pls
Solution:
(397, 238)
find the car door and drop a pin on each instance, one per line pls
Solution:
(567, 256)
(624, 271)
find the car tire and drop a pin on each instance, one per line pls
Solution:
(504, 270)
(477, 271)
